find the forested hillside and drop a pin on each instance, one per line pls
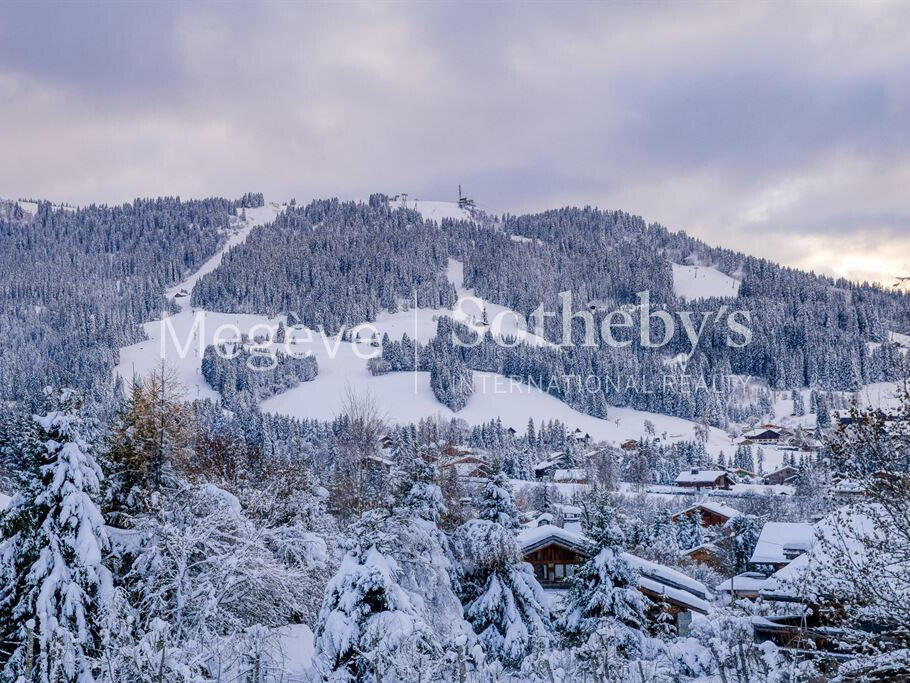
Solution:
(76, 284)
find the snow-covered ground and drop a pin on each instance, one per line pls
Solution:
(699, 282)
(293, 653)
(434, 210)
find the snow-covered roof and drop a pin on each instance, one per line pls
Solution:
(850, 534)
(653, 577)
(567, 510)
(675, 585)
(762, 431)
(688, 476)
(712, 506)
(534, 537)
(775, 537)
(570, 475)
(748, 581)
(668, 576)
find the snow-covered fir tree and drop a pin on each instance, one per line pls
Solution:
(603, 603)
(55, 589)
(503, 601)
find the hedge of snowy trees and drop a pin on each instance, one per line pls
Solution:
(247, 375)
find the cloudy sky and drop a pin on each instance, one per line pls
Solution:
(779, 129)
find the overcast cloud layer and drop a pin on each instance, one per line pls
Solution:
(781, 130)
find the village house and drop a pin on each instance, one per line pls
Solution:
(469, 466)
(783, 475)
(795, 620)
(629, 445)
(779, 543)
(765, 435)
(704, 479)
(580, 437)
(575, 475)
(556, 553)
(712, 513)
(745, 585)
(707, 554)
(556, 461)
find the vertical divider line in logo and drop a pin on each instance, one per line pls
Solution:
(414, 308)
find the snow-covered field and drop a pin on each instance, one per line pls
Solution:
(699, 282)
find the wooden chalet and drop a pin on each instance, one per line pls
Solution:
(745, 585)
(469, 466)
(712, 513)
(706, 554)
(762, 437)
(629, 445)
(556, 461)
(552, 551)
(784, 475)
(555, 553)
(575, 475)
(704, 479)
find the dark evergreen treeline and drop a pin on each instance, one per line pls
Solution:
(76, 284)
(246, 375)
(588, 379)
(333, 263)
(807, 329)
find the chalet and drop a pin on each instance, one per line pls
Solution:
(580, 437)
(762, 436)
(712, 514)
(783, 475)
(556, 461)
(556, 553)
(386, 442)
(570, 513)
(575, 475)
(801, 615)
(706, 554)
(629, 445)
(745, 585)
(779, 543)
(704, 479)
(467, 466)
(741, 472)
(553, 552)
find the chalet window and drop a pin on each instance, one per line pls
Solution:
(570, 570)
(560, 571)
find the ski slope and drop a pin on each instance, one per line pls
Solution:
(701, 282)
(254, 217)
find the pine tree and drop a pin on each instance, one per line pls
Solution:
(53, 581)
(503, 601)
(603, 599)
